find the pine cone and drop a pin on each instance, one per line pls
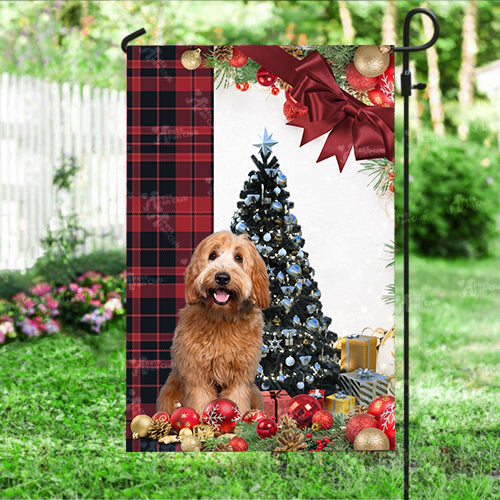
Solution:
(286, 422)
(222, 446)
(293, 51)
(357, 410)
(291, 440)
(158, 429)
(223, 53)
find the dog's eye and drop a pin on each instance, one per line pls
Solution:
(212, 256)
(238, 258)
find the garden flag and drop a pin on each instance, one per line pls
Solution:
(260, 241)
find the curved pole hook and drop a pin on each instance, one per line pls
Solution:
(406, 31)
(132, 36)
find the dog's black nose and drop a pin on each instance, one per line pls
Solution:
(222, 279)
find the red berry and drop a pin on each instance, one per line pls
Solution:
(275, 90)
(327, 440)
(238, 85)
(245, 86)
(309, 435)
(318, 441)
(391, 175)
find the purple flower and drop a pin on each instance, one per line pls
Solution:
(30, 328)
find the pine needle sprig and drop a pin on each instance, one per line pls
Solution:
(378, 170)
(389, 296)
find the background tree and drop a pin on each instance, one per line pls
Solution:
(466, 75)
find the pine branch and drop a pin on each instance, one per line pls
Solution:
(390, 249)
(378, 170)
(389, 297)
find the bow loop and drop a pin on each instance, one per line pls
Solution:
(350, 110)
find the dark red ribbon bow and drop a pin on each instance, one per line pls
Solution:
(370, 129)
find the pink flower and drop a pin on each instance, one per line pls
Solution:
(95, 302)
(51, 303)
(40, 289)
(61, 289)
(42, 308)
(19, 297)
(73, 287)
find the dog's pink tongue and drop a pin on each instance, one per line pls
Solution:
(221, 295)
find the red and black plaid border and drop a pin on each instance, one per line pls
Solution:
(169, 209)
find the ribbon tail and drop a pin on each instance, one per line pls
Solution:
(338, 143)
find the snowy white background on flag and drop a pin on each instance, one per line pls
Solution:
(343, 223)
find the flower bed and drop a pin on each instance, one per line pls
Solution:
(92, 303)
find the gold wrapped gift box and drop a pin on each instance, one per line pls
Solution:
(358, 351)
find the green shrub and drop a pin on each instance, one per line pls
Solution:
(12, 282)
(453, 197)
(108, 262)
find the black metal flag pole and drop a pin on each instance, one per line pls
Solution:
(406, 88)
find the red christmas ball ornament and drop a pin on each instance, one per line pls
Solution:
(265, 78)
(358, 423)
(358, 81)
(222, 414)
(239, 59)
(245, 86)
(324, 418)
(302, 408)
(292, 108)
(379, 405)
(184, 417)
(238, 444)
(387, 424)
(161, 416)
(253, 416)
(266, 427)
(275, 90)
(379, 98)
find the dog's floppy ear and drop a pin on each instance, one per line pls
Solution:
(192, 270)
(260, 281)
(190, 293)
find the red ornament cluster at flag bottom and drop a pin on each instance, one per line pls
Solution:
(379, 405)
(266, 428)
(302, 408)
(253, 416)
(324, 418)
(350, 123)
(184, 417)
(238, 444)
(161, 416)
(358, 423)
(222, 414)
(387, 424)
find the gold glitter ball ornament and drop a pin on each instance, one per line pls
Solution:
(369, 61)
(185, 432)
(191, 59)
(371, 439)
(190, 443)
(140, 426)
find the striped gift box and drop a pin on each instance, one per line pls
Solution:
(364, 384)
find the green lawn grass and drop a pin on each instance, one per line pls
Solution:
(63, 413)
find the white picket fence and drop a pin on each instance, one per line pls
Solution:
(40, 121)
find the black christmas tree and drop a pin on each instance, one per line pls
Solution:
(297, 352)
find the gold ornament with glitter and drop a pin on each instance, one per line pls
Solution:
(369, 61)
(191, 59)
(140, 426)
(190, 443)
(316, 426)
(371, 439)
(186, 431)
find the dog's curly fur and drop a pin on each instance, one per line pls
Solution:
(217, 348)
